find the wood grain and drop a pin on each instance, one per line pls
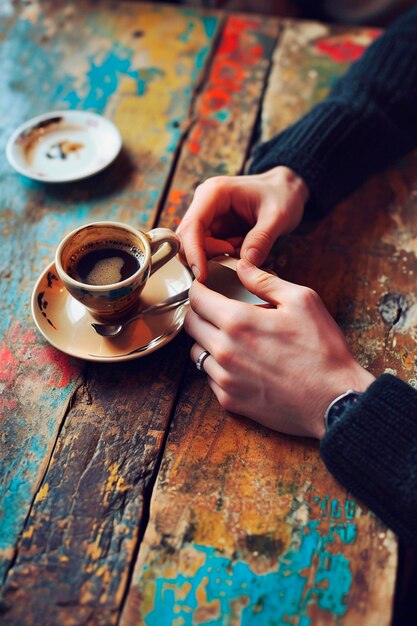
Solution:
(242, 526)
(247, 526)
(361, 258)
(224, 114)
(80, 443)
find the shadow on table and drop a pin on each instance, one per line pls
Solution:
(405, 602)
(113, 179)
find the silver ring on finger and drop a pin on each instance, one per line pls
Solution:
(200, 361)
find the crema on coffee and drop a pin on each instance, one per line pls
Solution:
(105, 263)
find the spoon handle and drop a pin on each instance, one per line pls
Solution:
(175, 299)
(112, 330)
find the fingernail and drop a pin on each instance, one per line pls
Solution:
(195, 271)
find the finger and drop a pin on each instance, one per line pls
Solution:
(202, 331)
(214, 307)
(192, 250)
(229, 401)
(210, 199)
(209, 364)
(236, 242)
(196, 350)
(260, 239)
(264, 285)
(214, 247)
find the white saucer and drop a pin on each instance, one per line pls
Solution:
(66, 324)
(63, 146)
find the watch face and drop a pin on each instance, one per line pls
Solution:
(339, 406)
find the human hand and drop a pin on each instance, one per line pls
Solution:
(281, 366)
(241, 215)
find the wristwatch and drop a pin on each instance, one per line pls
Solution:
(339, 406)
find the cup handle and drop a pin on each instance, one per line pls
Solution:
(158, 238)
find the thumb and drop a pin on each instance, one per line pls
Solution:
(262, 284)
(256, 245)
(259, 240)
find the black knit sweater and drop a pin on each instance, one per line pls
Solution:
(368, 121)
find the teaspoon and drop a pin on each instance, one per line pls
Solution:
(112, 330)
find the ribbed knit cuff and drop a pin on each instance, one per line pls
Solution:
(372, 452)
(364, 125)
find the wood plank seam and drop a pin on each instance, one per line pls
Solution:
(256, 137)
(42, 476)
(191, 118)
(324, 527)
(149, 491)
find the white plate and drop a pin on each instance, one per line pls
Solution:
(63, 146)
(66, 323)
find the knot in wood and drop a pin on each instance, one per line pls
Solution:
(392, 307)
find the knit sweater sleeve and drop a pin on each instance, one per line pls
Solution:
(372, 452)
(368, 120)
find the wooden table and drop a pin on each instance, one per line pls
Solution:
(128, 496)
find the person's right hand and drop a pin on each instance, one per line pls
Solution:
(280, 366)
(241, 215)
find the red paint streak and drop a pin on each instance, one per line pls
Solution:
(257, 51)
(175, 208)
(344, 49)
(228, 74)
(6, 405)
(40, 362)
(194, 144)
(239, 51)
(175, 221)
(214, 99)
(176, 196)
(8, 365)
(60, 368)
(231, 43)
(240, 24)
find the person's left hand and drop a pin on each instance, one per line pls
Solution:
(241, 216)
(281, 366)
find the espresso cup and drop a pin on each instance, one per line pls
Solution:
(105, 265)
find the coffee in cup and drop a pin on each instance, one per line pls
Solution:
(105, 265)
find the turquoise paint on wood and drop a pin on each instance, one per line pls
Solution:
(41, 72)
(103, 80)
(277, 598)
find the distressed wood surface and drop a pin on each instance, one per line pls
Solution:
(310, 58)
(76, 465)
(362, 257)
(247, 526)
(224, 114)
(109, 511)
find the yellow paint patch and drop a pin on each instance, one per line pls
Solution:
(211, 530)
(201, 594)
(42, 493)
(94, 552)
(114, 481)
(184, 590)
(157, 101)
(28, 534)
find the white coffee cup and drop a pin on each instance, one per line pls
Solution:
(105, 265)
